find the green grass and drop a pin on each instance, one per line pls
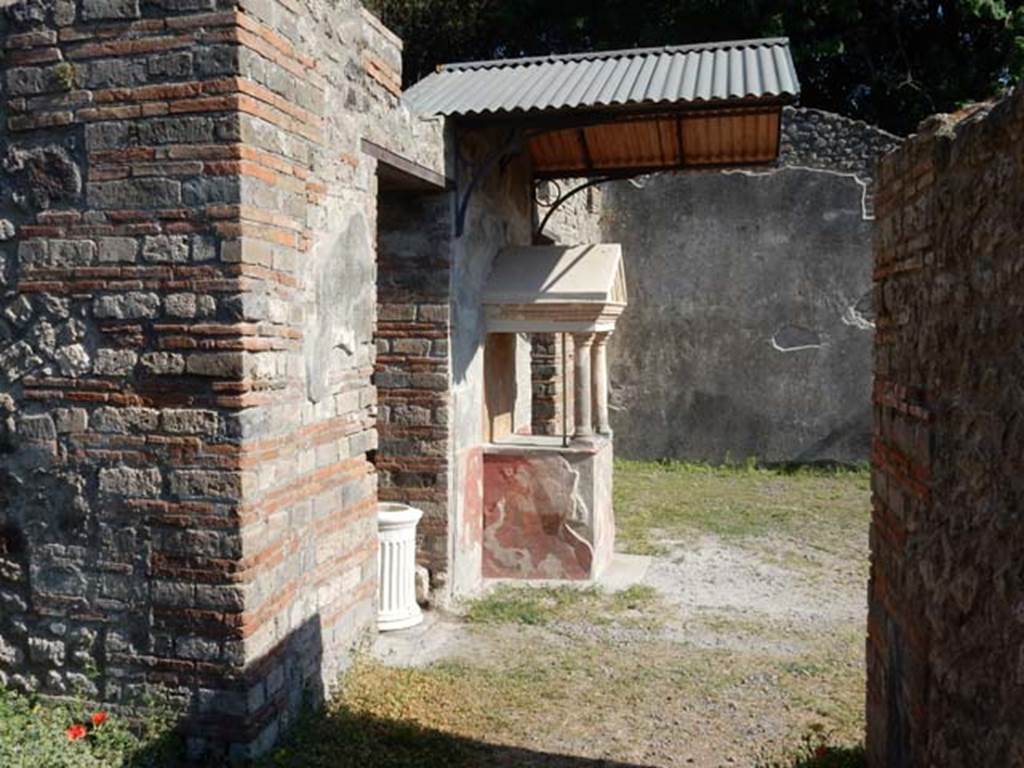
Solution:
(655, 501)
(817, 751)
(34, 734)
(531, 606)
(540, 606)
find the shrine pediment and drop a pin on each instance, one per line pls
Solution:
(551, 289)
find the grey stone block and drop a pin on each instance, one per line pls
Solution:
(180, 305)
(135, 193)
(163, 363)
(128, 306)
(93, 10)
(227, 365)
(111, 135)
(196, 648)
(116, 249)
(190, 422)
(166, 249)
(129, 481)
(199, 483)
(114, 362)
(177, 64)
(125, 420)
(44, 651)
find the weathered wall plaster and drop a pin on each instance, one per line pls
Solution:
(749, 327)
(500, 214)
(946, 623)
(548, 510)
(738, 342)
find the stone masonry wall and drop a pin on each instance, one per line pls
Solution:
(813, 138)
(122, 469)
(309, 524)
(188, 303)
(547, 383)
(946, 626)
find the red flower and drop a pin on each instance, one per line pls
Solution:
(76, 732)
(98, 719)
(821, 751)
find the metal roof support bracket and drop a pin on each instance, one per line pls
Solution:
(512, 146)
(564, 197)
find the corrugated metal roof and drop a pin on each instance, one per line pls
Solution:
(710, 73)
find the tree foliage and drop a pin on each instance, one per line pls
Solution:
(891, 62)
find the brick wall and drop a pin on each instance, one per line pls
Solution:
(413, 365)
(187, 237)
(576, 221)
(946, 626)
(546, 382)
(550, 384)
(123, 352)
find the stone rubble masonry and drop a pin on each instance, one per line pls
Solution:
(945, 645)
(813, 138)
(186, 351)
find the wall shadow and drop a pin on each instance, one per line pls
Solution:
(278, 705)
(343, 739)
(233, 716)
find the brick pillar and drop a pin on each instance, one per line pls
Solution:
(124, 369)
(187, 239)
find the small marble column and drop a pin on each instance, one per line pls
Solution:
(582, 344)
(599, 370)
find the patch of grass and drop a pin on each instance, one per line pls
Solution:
(540, 606)
(634, 598)
(828, 682)
(817, 751)
(735, 623)
(532, 606)
(385, 717)
(69, 733)
(823, 507)
(65, 74)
